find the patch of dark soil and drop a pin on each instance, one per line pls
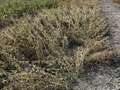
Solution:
(5, 23)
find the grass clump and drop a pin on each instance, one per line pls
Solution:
(45, 52)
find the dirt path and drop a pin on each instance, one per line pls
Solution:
(104, 76)
(112, 12)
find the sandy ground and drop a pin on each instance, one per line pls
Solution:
(104, 76)
(112, 12)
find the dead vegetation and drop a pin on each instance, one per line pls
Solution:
(46, 51)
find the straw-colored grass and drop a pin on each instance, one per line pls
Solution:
(47, 51)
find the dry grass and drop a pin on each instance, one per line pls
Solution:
(44, 42)
(46, 51)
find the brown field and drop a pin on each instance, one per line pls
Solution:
(116, 1)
